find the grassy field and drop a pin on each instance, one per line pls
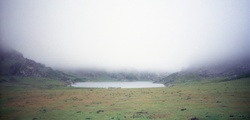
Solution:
(203, 100)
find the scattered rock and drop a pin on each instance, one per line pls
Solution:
(43, 110)
(98, 111)
(188, 98)
(218, 101)
(208, 116)
(194, 118)
(141, 114)
(183, 109)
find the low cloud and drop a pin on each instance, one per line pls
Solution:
(143, 35)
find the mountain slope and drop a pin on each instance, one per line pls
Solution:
(12, 63)
(227, 70)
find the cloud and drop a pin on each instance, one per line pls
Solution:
(133, 34)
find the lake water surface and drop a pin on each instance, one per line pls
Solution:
(137, 84)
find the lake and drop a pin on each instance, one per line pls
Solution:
(137, 84)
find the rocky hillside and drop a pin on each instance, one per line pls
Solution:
(227, 70)
(12, 63)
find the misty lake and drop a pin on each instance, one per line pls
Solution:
(137, 84)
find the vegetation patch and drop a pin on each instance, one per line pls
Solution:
(190, 101)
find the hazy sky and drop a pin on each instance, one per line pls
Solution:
(133, 34)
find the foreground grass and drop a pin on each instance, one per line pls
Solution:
(202, 100)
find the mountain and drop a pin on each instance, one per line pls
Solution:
(226, 70)
(12, 63)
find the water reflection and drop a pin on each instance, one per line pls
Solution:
(138, 84)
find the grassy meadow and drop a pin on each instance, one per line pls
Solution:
(50, 100)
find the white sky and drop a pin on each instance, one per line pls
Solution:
(162, 35)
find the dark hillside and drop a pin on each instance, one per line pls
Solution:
(12, 63)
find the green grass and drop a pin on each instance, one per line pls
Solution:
(16, 83)
(213, 100)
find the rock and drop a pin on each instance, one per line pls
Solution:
(99, 111)
(78, 111)
(218, 101)
(183, 109)
(194, 118)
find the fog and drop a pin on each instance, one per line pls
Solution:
(156, 35)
